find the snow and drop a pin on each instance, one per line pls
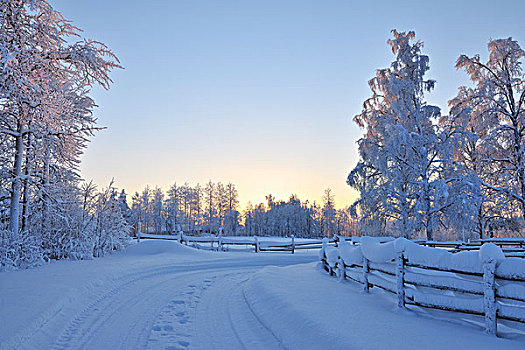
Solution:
(332, 256)
(512, 290)
(377, 252)
(420, 255)
(454, 301)
(350, 254)
(511, 268)
(160, 294)
(314, 311)
(322, 253)
(517, 312)
(124, 294)
(490, 252)
(468, 261)
(443, 279)
(357, 239)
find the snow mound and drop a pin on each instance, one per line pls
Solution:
(442, 259)
(511, 268)
(160, 246)
(357, 239)
(332, 256)
(466, 261)
(377, 252)
(351, 255)
(420, 255)
(490, 252)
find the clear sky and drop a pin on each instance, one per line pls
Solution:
(260, 93)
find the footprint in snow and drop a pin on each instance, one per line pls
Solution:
(183, 343)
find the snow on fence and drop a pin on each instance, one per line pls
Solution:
(483, 282)
(259, 244)
(512, 247)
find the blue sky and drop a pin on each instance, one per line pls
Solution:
(260, 93)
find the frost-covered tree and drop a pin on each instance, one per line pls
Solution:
(157, 208)
(404, 155)
(173, 208)
(492, 113)
(110, 231)
(44, 90)
(329, 213)
(282, 218)
(124, 207)
(210, 202)
(221, 202)
(46, 121)
(232, 197)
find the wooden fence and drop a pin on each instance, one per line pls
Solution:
(258, 244)
(511, 247)
(494, 290)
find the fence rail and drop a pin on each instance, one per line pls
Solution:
(258, 244)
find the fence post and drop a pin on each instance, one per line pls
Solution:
(489, 297)
(219, 248)
(341, 271)
(400, 275)
(256, 244)
(138, 231)
(366, 270)
(293, 244)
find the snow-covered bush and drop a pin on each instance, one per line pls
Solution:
(21, 251)
(110, 231)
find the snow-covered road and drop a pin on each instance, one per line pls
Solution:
(162, 295)
(174, 308)
(154, 296)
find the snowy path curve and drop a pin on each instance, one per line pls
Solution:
(173, 310)
(195, 305)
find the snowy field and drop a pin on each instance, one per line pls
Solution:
(163, 295)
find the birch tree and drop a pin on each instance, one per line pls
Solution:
(44, 88)
(403, 153)
(493, 111)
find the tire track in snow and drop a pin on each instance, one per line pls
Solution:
(120, 299)
(227, 321)
(146, 294)
(126, 311)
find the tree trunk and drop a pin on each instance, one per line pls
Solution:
(25, 200)
(14, 208)
(45, 194)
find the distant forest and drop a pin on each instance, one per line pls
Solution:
(197, 209)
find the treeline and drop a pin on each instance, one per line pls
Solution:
(46, 211)
(455, 176)
(302, 219)
(190, 209)
(197, 210)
